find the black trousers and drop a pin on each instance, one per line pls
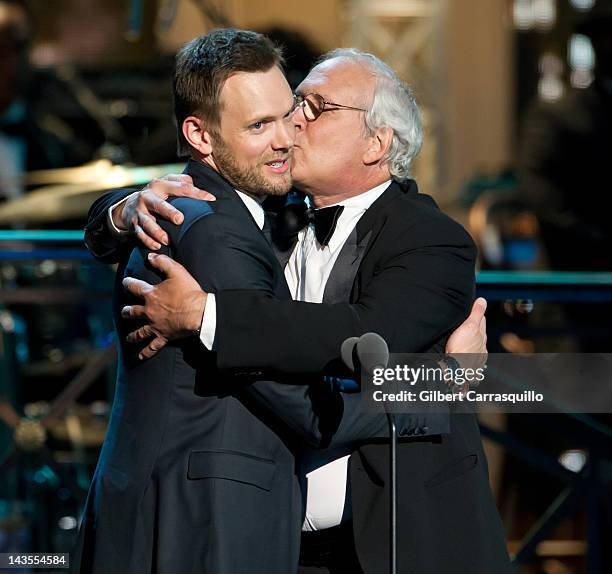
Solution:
(329, 551)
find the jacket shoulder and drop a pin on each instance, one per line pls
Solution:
(419, 214)
(199, 216)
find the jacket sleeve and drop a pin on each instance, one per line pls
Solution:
(318, 415)
(413, 299)
(324, 418)
(102, 244)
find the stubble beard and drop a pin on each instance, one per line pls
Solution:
(249, 179)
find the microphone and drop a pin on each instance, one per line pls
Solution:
(347, 352)
(372, 352)
(368, 352)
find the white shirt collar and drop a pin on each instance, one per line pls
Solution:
(354, 208)
(358, 203)
(254, 208)
(365, 199)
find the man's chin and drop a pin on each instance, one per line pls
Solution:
(277, 191)
(279, 185)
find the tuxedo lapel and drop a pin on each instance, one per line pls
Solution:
(283, 255)
(342, 276)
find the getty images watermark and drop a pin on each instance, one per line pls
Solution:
(536, 383)
(458, 384)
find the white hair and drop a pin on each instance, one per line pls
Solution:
(393, 106)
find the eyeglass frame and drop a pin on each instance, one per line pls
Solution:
(300, 102)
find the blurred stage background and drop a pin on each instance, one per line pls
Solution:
(517, 102)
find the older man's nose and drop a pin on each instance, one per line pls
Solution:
(299, 120)
(284, 136)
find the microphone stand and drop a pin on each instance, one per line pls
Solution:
(363, 354)
(393, 496)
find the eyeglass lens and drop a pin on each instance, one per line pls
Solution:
(313, 106)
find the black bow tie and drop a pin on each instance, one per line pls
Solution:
(295, 216)
(325, 220)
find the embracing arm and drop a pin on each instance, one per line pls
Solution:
(325, 418)
(319, 415)
(412, 300)
(134, 212)
(103, 244)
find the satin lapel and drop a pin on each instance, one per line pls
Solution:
(342, 276)
(283, 255)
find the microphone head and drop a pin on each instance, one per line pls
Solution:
(347, 352)
(372, 352)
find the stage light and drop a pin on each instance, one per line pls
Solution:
(582, 5)
(574, 460)
(581, 57)
(67, 523)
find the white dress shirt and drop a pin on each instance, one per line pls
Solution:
(307, 272)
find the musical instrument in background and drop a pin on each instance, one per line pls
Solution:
(66, 194)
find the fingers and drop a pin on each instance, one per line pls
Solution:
(153, 200)
(142, 334)
(134, 312)
(136, 287)
(150, 228)
(201, 194)
(172, 186)
(186, 187)
(180, 177)
(166, 265)
(142, 236)
(478, 309)
(152, 348)
(192, 191)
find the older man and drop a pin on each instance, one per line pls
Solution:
(379, 257)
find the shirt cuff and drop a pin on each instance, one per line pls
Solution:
(111, 224)
(209, 322)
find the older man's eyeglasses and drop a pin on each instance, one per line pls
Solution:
(313, 105)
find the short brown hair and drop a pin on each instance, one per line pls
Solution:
(203, 66)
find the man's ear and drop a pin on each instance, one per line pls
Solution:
(196, 135)
(378, 145)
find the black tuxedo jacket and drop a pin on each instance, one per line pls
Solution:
(197, 472)
(407, 273)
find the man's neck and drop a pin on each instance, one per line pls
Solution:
(323, 199)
